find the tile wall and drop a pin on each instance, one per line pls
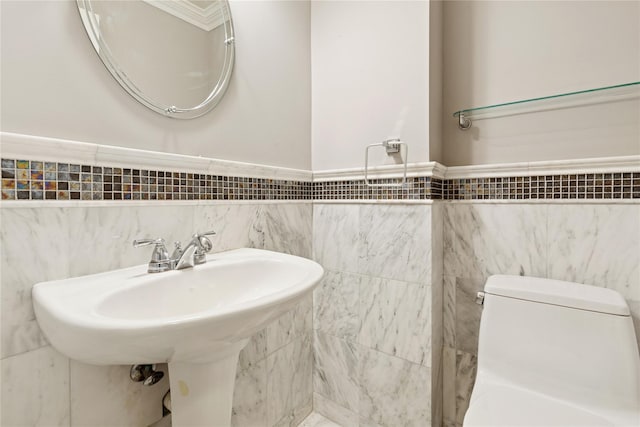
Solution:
(596, 244)
(400, 281)
(42, 387)
(376, 355)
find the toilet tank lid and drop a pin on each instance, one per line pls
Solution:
(557, 292)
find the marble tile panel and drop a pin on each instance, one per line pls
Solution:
(287, 228)
(254, 352)
(304, 317)
(364, 422)
(103, 237)
(335, 236)
(105, 396)
(335, 373)
(466, 365)
(449, 312)
(236, 225)
(250, 397)
(449, 384)
(437, 336)
(172, 223)
(302, 385)
(437, 241)
(334, 412)
(289, 379)
(468, 314)
(449, 243)
(281, 331)
(31, 238)
(316, 420)
(335, 304)
(436, 389)
(396, 319)
(485, 239)
(34, 244)
(437, 299)
(596, 245)
(35, 389)
(296, 416)
(396, 242)
(98, 239)
(19, 337)
(279, 380)
(393, 391)
(291, 325)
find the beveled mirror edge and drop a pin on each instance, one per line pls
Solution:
(171, 111)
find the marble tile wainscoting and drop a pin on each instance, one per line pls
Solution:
(52, 240)
(585, 242)
(47, 235)
(402, 268)
(377, 313)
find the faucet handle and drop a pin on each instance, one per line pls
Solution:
(146, 242)
(160, 260)
(206, 233)
(204, 245)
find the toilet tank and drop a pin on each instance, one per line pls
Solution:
(559, 338)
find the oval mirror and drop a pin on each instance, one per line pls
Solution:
(176, 57)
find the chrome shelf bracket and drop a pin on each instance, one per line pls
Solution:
(464, 123)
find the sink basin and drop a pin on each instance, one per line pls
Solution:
(195, 319)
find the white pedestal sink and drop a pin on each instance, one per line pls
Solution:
(196, 320)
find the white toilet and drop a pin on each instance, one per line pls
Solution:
(554, 353)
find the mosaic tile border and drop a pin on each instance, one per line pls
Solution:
(38, 180)
(416, 188)
(568, 186)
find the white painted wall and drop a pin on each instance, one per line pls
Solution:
(498, 51)
(436, 56)
(54, 84)
(370, 79)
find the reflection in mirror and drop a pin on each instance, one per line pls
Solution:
(175, 57)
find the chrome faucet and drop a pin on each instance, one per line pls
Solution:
(193, 254)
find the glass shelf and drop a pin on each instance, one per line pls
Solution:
(563, 100)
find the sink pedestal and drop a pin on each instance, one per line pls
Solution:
(202, 393)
